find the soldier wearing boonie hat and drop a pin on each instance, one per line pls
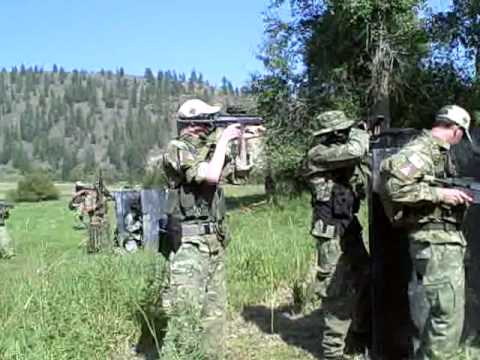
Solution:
(337, 182)
(331, 121)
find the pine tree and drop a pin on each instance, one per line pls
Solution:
(149, 78)
(20, 159)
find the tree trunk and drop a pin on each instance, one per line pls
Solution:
(381, 107)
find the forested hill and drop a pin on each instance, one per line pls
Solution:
(71, 123)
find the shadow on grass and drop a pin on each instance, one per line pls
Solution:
(296, 330)
(238, 202)
(152, 320)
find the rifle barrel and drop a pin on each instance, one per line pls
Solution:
(224, 119)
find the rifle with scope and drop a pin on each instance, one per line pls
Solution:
(233, 115)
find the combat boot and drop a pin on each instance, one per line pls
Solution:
(306, 297)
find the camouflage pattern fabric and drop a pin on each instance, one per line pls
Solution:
(440, 268)
(196, 276)
(410, 198)
(329, 121)
(79, 219)
(98, 235)
(342, 260)
(78, 204)
(98, 227)
(6, 249)
(185, 158)
(197, 268)
(343, 284)
(437, 254)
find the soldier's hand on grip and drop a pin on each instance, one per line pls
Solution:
(454, 196)
(231, 132)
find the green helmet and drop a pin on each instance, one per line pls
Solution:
(457, 115)
(329, 121)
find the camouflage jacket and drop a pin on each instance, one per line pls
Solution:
(185, 164)
(185, 159)
(345, 162)
(410, 198)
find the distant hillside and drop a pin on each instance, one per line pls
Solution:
(72, 123)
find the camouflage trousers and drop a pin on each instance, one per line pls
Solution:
(6, 248)
(98, 235)
(79, 220)
(438, 311)
(343, 279)
(197, 277)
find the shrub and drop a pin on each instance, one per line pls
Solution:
(37, 186)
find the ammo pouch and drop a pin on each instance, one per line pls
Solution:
(343, 201)
(193, 205)
(332, 218)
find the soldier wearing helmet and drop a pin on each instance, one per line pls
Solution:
(337, 179)
(432, 217)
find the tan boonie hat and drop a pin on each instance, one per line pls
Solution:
(196, 108)
(329, 121)
(457, 115)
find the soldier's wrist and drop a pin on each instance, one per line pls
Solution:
(437, 195)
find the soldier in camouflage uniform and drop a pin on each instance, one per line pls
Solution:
(197, 233)
(337, 182)
(96, 206)
(432, 217)
(6, 249)
(77, 204)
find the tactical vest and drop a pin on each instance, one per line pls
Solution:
(205, 203)
(334, 187)
(193, 209)
(428, 213)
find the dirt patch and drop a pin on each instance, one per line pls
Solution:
(274, 332)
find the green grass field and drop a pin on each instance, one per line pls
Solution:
(57, 302)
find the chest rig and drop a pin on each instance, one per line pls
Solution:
(441, 167)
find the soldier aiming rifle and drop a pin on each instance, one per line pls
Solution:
(6, 249)
(240, 152)
(196, 231)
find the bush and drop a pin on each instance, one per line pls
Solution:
(37, 186)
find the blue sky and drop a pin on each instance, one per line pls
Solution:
(216, 37)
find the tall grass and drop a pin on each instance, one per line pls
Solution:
(271, 248)
(57, 302)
